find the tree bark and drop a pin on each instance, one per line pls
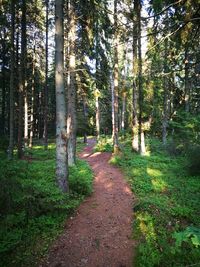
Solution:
(22, 79)
(187, 88)
(12, 81)
(97, 82)
(71, 95)
(32, 96)
(135, 140)
(166, 99)
(142, 148)
(116, 82)
(46, 79)
(61, 135)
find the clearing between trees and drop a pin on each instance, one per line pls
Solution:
(100, 233)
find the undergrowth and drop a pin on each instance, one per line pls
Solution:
(166, 211)
(32, 209)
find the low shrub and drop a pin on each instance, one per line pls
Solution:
(193, 156)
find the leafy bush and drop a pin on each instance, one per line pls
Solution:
(193, 155)
(104, 145)
(4, 142)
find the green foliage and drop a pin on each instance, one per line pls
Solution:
(4, 142)
(193, 156)
(190, 234)
(166, 208)
(33, 209)
(104, 145)
(80, 179)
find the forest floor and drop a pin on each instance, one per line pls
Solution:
(100, 233)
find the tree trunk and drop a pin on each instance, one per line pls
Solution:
(3, 102)
(61, 135)
(97, 82)
(140, 84)
(22, 78)
(32, 97)
(165, 107)
(135, 140)
(116, 83)
(97, 116)
(46, 79)
(123, 112)
(85, 114)
(12, 81)
(187, 88)
(71, 96)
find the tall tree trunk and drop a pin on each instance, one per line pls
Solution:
(85, 114)
(46, 79)
(123, 112)
(22, 78)
(97, 93)
(61, 135)
(166, 100)
(97, 113)
(32, 97)
(71, 96)
(187, 87)
(140, 84)
(135, 140)
(12, 81)
(3, 102)
(116, 82)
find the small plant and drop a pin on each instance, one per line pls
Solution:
(190, 235)
(104, 145)
(193, 155)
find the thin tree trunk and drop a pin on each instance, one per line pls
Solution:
(22, 80)
(12, 81)
(97, 116)
(165, 107)
(135, 140)
(71, 105)
(116, 82)
(61, 135)
(46, 79)
(3, 103)
(97, 82)
(85, 114)
(32, 97)
(123, 112)
(187, 88)
(140, 85)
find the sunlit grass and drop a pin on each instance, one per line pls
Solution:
(33, 209)
(167, 201)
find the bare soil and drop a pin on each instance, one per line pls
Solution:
(99, 234)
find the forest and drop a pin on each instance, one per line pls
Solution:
(118, 81)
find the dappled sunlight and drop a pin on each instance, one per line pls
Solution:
(146, 226)
(159, 185)
(154, 172)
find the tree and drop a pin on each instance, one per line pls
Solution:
(12, 81)
(46, 78)
(61, 134)
(22, 80)
(116, 83)
(71, 90)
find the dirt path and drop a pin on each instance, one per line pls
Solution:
(99, 235)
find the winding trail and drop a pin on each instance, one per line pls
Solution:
(99, 234)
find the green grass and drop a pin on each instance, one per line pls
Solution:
(166, 211)
(33, 210)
